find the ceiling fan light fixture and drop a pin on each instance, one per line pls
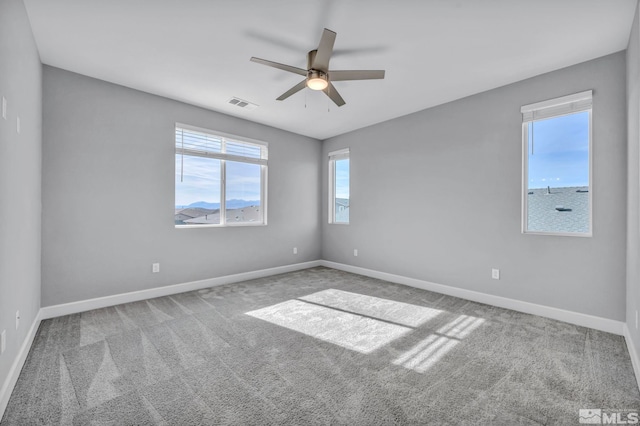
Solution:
(317, 80)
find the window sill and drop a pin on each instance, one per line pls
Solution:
(560, 234)
(235, 225)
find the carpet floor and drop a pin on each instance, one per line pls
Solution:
(317, 346)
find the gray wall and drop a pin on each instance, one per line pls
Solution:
(633, 208)
(436, 196)
(20, 178)
(108, 194)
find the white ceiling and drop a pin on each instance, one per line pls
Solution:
(433, 51)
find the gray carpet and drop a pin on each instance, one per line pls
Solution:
(317, 346)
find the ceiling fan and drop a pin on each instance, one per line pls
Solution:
(318, 75)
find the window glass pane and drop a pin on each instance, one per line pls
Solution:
(341, 191)
(558, 174)
(197, 199)
(200, 179)
(243, 201)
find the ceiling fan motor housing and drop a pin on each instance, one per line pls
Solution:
(316, 79)
(311, 57)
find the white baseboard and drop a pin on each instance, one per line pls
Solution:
(590, 321)
(635, 361)
(584, 320)
(16, 368)
(134, 296)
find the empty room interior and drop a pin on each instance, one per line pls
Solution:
(177, 244)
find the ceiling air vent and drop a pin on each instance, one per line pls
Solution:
(241, 103)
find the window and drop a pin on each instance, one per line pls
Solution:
(339, 186)
(557, 190)
(220, 179)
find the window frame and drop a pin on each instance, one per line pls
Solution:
(224, 157)
(334, 156)
(552, 108)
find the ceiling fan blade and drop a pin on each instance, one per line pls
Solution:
(286, 43)
(356, 75)
(325, 49)
(298, 87)
(333, 94)
(283, 67)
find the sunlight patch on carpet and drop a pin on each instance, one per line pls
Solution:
(351, 331)
(384, 309)
(429, 351)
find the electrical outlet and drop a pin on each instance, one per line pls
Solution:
(155, 267)
(295, 250)
(3, 341)
(17, 319)
(355, 252)
(495, 274)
